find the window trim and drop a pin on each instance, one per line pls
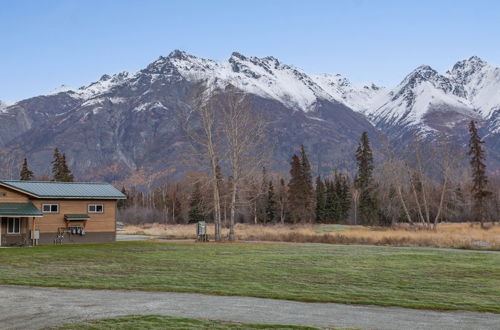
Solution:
(14, 226)
(95, 207)
(51, 204)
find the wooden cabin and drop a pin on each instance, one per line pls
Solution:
(36, 213)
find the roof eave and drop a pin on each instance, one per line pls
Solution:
(18, 189)
(58, 197)
(20, 216)
(80, 197)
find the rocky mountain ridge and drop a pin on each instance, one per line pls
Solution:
(125, 125)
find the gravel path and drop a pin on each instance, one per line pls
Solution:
(34, 307)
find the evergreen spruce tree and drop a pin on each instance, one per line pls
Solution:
(337, 197)
(26, 174)
(368, 208)
(308, 202)
(342, 197)
(60, 169)
(296, 191)
(56, 165)
(196, 205)
(320, 200)
(270, 203)
(347, 198)
(65, 172)
(479, 179)
(330, 202)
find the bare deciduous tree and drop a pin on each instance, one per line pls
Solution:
(204, 137)
(243, 134)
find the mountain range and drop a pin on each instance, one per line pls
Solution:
(124, 127)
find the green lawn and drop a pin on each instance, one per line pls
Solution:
(166, 322)
(417, 278)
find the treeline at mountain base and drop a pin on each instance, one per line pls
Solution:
(420, 193)
(229, 147)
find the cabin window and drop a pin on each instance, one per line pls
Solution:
(13, 226)
(96, 208)
(2, 194)
(50, 208)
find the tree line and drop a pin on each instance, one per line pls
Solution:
(385, 194)
(227, 136)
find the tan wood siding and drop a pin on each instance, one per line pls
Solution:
(11, 196)
(98, 222)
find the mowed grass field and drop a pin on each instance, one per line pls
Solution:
(166, 322)
(408, 277)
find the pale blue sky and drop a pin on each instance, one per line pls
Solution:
(44, 44)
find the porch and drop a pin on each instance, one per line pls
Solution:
(17, 222)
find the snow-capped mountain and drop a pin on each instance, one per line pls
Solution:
(431, 103)
(266, 77)
(126, 123)
(480, 84)
(419, 100)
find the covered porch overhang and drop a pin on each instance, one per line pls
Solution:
(76, 217)
(18, 210)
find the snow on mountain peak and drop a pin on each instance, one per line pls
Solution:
(480, 82)
(420, 74)
(3, 106)
(421, 93)
(61, 89)
(359, 98)
(462, 69)
(103, 85)
(265, 77)
(471, 85)
(179, 54)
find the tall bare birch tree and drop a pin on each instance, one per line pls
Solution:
(243, 133)
(204, 137)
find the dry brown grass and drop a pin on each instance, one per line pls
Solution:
(447, 235)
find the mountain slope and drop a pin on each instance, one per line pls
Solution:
(425, 102)
(126, 125)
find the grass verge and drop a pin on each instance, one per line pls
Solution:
(406, 277)
(167, 322)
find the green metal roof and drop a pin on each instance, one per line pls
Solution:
(76, 217)
(69, 190)
(19, 209)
